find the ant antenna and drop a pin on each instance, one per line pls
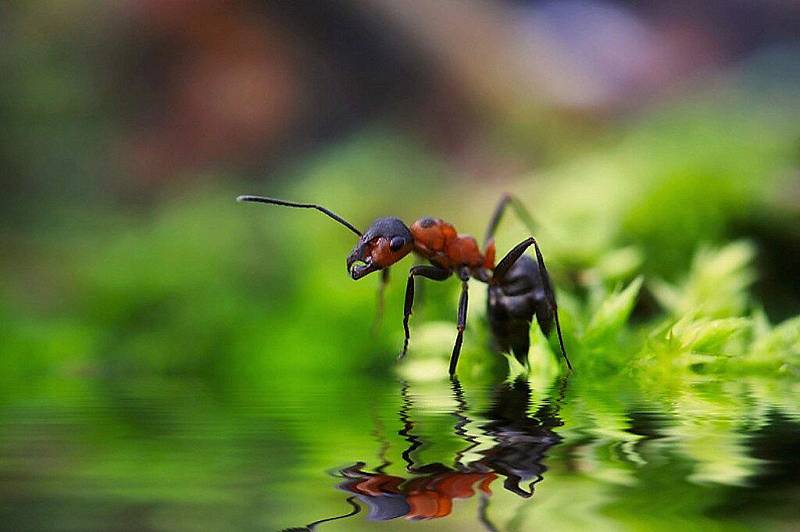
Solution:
(273, 201)
(311, 526)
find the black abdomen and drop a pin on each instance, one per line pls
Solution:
(512, 305)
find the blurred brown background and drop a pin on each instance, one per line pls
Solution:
(128, 96)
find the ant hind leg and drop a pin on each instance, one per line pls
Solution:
(499, 210)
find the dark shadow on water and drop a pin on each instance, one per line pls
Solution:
(520, 442)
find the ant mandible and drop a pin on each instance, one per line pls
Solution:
(518, 287)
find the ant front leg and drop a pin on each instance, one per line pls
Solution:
(434, 273)
(505, 264)
(462, 319)
(379, 307)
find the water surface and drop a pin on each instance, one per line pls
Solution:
(382, 453)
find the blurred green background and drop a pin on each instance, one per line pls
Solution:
(657, 147)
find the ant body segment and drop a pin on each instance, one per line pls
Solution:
(519, 288)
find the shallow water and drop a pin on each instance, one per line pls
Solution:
(378, 453)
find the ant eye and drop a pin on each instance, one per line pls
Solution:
(397, 243)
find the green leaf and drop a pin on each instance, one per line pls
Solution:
(781, 344)
(707, 336)
(612, 314)
(716, 286)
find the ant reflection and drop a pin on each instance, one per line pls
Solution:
(520, 443)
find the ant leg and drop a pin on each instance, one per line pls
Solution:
(376, 324)
(519, 208)
(419, 289)
(461, 323)
(496, 216)
(511, 257)
(504, 265)
(431, 272)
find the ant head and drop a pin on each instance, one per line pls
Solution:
(385, 242)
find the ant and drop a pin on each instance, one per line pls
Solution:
(512, 442)
(519, 288)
